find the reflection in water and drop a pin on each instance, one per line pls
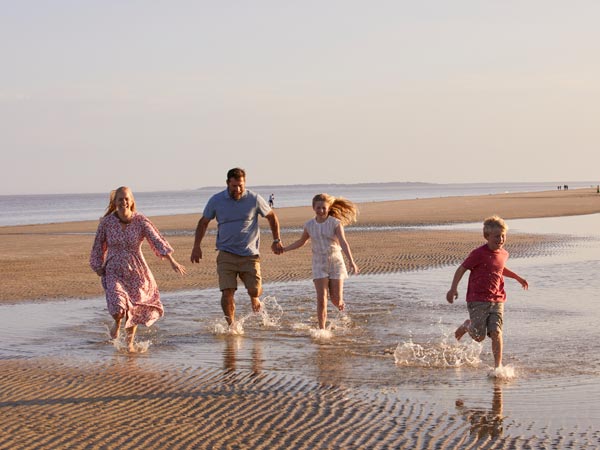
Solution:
(485, 422)
(233, 345)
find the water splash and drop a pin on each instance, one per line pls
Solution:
(235, 329)
(320, 335)
(442, 353)
(270, 312)
(120, 344)
(503, 373)
(269, 316)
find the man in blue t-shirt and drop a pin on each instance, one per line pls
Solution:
(238, 237)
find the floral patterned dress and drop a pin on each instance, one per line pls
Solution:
(128, 282)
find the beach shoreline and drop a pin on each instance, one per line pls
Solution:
(51, 261)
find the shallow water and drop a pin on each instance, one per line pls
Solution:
(396, 337)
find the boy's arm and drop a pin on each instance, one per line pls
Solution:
(453, 292)
(510, 274)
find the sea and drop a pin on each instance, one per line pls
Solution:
(55, 208)
(393, 344)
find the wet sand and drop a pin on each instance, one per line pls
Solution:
(131, 401)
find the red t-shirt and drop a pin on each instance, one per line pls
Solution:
(486, 282)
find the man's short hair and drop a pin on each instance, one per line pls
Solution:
(236, 173)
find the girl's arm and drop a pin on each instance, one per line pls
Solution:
(299, 243)
(453, 292)
(510, 274)
(339, 232)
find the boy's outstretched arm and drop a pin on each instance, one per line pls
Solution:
(510, 274)
(453, 292)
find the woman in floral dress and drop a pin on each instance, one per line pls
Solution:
(130, 287)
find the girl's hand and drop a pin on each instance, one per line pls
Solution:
(354, 268)
(100, 272)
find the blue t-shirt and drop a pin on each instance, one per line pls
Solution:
(238, 230)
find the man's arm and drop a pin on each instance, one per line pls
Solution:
(200, 232)
(276, 246)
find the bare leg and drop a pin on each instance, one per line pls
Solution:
(228, 305)
(130, 338)
(114, 330)
(336, 292)
(497, 344)
(254, 298)
(464, 328)
(322, 287)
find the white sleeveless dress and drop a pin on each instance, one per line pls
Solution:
(327, 257)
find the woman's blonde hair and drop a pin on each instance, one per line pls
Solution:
(340, 208)
(112, 207)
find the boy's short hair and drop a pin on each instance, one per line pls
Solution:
(494, 223)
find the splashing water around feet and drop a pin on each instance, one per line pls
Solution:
(319, 334)
(120, 344)
(270, 312)
(235, 329)
(269, 315)
(438, 354)
(503, 373)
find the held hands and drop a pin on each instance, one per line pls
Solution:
(277, 247)
(451, 295)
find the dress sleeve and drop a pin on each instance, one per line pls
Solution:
(99, 248)
(158, 243)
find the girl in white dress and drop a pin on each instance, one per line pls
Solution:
(326, 231)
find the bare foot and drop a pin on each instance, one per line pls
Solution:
(131, 347)
(114, 330)
(256, 305)
(460, 331)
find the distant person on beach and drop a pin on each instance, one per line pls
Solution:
(485, 291)
(237, 210)
(131, 291)
(326, 231)
(272, 200)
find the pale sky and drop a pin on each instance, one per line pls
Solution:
(169, 95)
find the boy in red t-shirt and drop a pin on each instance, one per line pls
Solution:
(485, 292)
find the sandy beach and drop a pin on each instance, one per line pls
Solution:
(51, 261)
(134, 401)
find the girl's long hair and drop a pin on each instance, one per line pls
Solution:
(112, 207)
(339, 207)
